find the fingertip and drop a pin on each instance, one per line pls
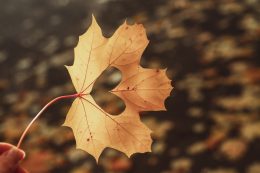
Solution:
(5, 147)
(20, 153)
(14, 155)
(23, 154)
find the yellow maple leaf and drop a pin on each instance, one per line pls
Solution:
(141, 89)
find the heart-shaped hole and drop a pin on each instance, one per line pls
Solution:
(109, 102)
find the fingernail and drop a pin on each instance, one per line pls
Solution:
(23, 153)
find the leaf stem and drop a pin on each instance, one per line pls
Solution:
(41, 111)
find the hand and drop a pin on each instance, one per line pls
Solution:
(10, 156)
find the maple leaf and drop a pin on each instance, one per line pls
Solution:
(141, 89)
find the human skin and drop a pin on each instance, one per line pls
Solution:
(10, 157)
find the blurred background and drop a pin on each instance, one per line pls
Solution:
(210, 47)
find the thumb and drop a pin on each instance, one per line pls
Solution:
(14, 155)
(9, 159)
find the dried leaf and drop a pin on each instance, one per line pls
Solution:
(141, 89)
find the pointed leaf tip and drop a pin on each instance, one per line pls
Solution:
(93, 18)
